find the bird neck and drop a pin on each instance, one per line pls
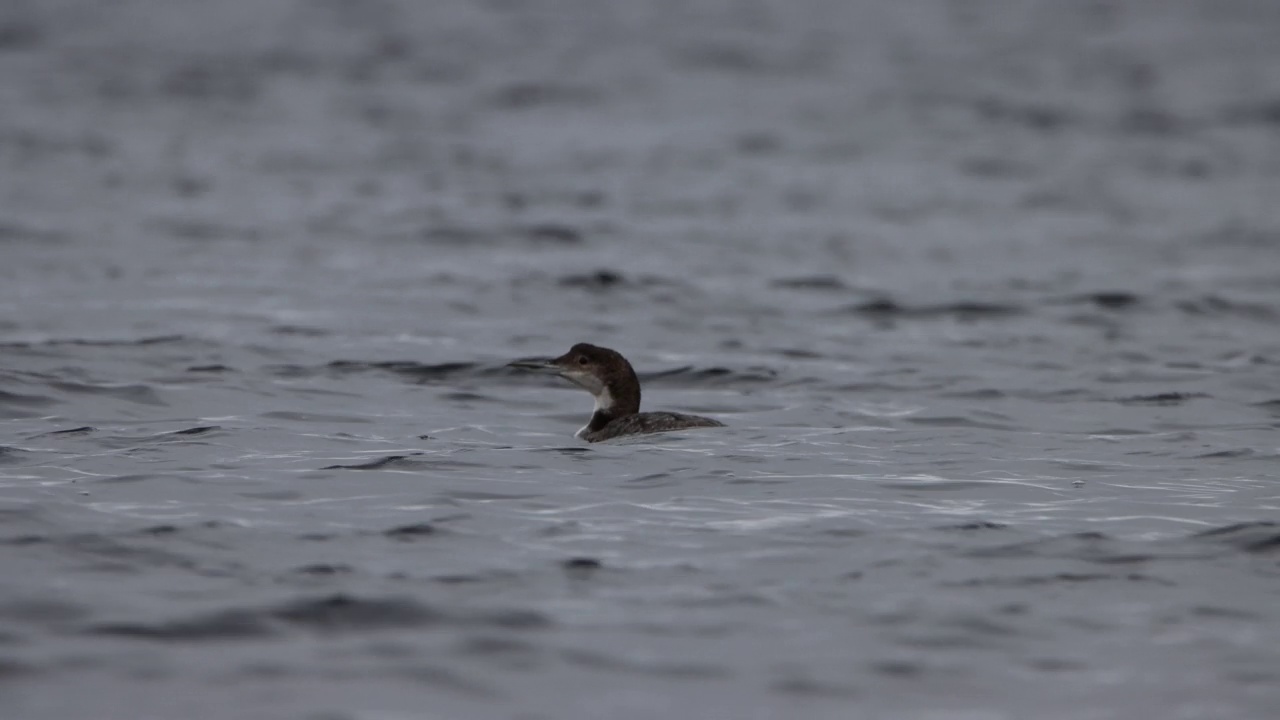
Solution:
(616, 400)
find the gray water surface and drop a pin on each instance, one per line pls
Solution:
(988, 295)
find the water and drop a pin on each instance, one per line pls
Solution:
(988, 295)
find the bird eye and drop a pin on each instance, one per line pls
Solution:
(582, 360)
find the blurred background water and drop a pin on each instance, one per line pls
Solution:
(988, 294)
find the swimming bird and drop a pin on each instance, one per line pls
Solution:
(612, 381)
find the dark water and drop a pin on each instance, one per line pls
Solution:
(988, 294)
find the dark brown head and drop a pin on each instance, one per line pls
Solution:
(600, 371)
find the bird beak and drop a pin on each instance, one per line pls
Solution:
(543, 365)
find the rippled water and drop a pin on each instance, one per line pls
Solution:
(988, 295)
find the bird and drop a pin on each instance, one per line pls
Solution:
(611, 380)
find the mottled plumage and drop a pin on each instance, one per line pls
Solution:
(613, 383)
(644, 423)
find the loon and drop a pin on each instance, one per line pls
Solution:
(610, 378)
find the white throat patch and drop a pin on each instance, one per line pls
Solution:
(604, 402)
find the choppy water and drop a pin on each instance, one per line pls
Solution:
(988, 294)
